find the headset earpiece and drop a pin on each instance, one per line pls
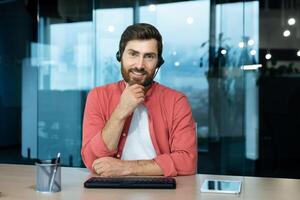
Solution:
(161, 61)
(118, 56)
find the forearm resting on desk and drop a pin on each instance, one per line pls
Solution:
(144, 168)
(108, 166)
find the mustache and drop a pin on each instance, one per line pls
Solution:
(142, 70)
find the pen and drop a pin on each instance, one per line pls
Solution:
(57, 160)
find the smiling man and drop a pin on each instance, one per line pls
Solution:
(137, 126)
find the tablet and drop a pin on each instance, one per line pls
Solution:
(221, 186)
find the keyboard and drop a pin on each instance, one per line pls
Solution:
(131, 182)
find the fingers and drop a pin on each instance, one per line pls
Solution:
(104, 174)
(137, 92)
(136, 86)
(131, 97)
(98, 169)
(98, 165)
(108, 166)
(137, 89)
(101, 170)
(102, 166)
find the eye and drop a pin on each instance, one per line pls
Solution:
(149, 56)
(133, 54)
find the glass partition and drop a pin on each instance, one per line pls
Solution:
(75, 56)
(205, 59)
(72, 58)
(65, 73)
(235, 49)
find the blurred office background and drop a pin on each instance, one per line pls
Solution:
(238, 62)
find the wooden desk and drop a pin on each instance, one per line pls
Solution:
(18, 182)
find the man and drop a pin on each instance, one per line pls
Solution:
(137, 126)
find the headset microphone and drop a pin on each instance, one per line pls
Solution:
(149, 81)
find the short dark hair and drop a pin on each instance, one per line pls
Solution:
(140, 31)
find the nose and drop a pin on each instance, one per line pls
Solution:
(140, 62)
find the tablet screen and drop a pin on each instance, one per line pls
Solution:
(222, 186)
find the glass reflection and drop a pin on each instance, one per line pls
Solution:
(110, 23)
(185, 53)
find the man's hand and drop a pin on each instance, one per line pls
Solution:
(131, 97)
(108, 166)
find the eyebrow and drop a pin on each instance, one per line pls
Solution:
(148, 53)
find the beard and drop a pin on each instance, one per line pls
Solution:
(133, 80)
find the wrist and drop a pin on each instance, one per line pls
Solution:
(129, 169)
(120, 114)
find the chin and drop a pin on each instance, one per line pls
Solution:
(132, 82)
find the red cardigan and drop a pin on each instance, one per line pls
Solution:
(171, 126)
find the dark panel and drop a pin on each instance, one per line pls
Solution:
(279, 126)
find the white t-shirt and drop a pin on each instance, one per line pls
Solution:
(138, 145)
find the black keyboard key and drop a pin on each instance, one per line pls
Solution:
(131, 182)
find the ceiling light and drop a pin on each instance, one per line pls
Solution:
(298, 53)
(190, 20)
(286, 33)
(253, 52)
(291, 21)
(111, 28)
(250, 42)
(177, 63)
(268, 56)
(251, 67)
(223, 51)
(152, 8)
(241, 44)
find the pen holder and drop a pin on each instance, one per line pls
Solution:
(48, 176)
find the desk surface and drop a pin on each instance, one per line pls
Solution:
(18, 182)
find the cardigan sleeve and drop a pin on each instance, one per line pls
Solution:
(182, 159)
(93, 146)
